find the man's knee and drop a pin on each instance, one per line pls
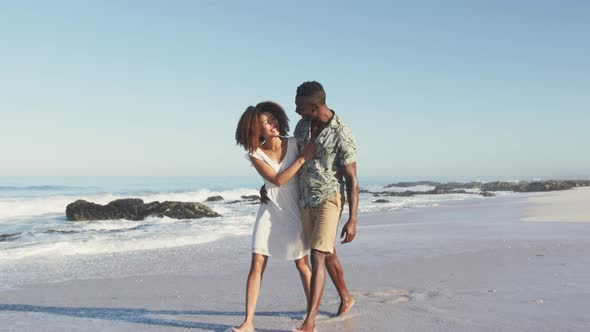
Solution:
(332, 261)
(331, 257)
(318, 256)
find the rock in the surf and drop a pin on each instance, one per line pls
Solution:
(136, 209)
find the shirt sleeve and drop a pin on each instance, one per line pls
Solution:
(299, 134)
(293, 140)
(347, 147)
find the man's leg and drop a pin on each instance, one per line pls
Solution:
(318, 281)
(323, 224)
(337, 275)
(304, 269)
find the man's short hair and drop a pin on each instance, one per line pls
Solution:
(312, 89)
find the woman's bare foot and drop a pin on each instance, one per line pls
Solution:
(345, 306)
(245, 327)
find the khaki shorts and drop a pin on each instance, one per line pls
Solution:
(320, 224)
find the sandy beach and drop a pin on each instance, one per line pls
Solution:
(459, 266)
(568, 206)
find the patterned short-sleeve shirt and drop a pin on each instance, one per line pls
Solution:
(336, 147)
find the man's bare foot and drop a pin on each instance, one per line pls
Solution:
(345, 306)
(305, 327)
(245, 327)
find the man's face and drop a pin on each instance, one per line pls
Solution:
(305, 107)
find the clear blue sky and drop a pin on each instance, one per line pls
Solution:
(457, 89)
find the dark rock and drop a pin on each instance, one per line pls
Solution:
(56, 231)
(457, 185)
(485, 188)
(153, 208)
(251, 197)
(545, 186)
(135, 209)
(578, 183)
(381, 201)
(9, 236)
(460, 191)
(412, 184)
(364, 191)
(535, 186)
(443, 192)
(126, 208)
(407, 193)
(233, 202)
(500, 186)
(410, 193)
(186, 210)
(83, 210)
(214, 198)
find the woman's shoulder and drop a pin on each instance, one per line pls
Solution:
(257, 154)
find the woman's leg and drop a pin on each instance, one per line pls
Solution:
(252, 290)
(304, 269)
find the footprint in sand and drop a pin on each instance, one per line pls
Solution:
(399, 299)
(394, 296)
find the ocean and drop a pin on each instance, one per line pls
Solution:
(33, 221)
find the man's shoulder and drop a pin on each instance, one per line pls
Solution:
(341, 127)
(301, 125)
(302, 122)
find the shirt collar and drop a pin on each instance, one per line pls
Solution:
(334, 120)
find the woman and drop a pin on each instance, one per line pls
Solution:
(278, 230)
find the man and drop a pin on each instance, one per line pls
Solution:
(321, 192)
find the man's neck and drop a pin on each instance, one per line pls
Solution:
(324, 116)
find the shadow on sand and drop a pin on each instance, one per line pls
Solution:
(145, 316)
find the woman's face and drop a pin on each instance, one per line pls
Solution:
(270, 125)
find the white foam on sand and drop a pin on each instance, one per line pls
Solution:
(116, 236)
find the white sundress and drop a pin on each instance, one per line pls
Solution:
(278, 231)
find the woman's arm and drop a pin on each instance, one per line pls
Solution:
(279, 179)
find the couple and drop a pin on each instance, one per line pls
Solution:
(303, 178)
